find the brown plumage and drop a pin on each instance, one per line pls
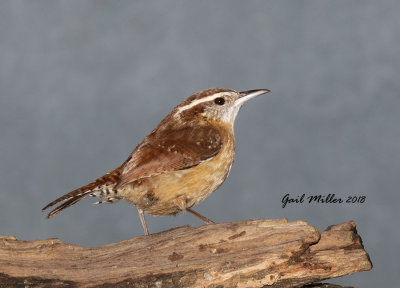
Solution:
(171, 150)
(184, 159)
(100, 184)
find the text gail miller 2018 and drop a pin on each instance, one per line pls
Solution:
(322, 199)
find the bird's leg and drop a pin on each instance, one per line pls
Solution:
(143, 220)
(202, 218)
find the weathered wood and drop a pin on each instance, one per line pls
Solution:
(249, 253)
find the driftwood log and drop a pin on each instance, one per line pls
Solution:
(250, 253)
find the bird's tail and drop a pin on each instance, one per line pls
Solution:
(102, 187)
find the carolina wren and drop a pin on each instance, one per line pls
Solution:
(182, 161)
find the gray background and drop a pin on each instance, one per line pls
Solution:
(82, 82)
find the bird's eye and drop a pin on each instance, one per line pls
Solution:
(219, 101)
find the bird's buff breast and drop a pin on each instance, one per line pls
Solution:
(175, 191)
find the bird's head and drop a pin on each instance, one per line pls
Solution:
(216, 104)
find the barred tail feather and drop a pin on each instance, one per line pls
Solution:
(70, 199)
(108, 180)
(66, 204)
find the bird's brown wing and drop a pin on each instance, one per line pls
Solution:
(171, 150)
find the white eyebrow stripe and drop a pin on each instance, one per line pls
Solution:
(202, 100)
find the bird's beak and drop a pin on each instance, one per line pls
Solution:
(247, 95)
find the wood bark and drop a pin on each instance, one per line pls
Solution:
(250, 253)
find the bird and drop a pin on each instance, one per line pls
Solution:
(181, 162)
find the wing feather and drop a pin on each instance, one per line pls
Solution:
(171, 150)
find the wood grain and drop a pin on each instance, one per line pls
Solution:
(250, 253)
